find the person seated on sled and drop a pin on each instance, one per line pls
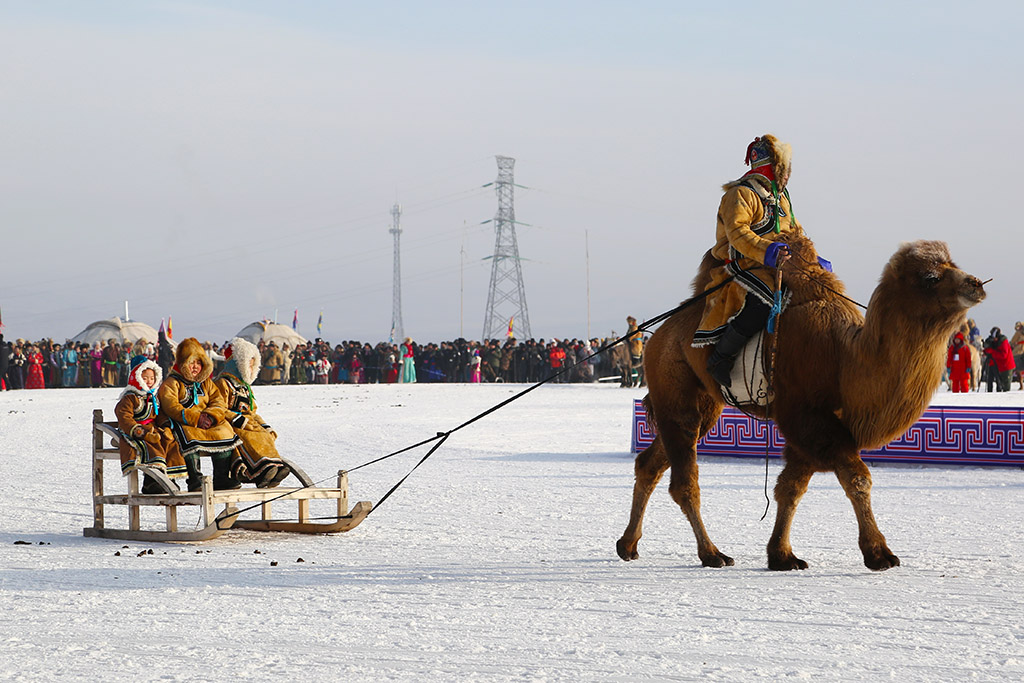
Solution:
(255, 460)
(754, 211)
(195, 410)
(142, 442)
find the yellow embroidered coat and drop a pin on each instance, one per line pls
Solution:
(182, 401)
(746, 226)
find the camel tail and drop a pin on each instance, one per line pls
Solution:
(700, 282)
(650, 412)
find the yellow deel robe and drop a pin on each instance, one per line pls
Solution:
(182, 401)
(257, 451)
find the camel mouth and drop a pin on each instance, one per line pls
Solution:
(972, 292)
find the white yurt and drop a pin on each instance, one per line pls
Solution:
(271, 332)
(120, 330)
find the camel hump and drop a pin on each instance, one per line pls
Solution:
(800, 245)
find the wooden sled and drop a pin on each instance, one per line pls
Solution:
(213, 524)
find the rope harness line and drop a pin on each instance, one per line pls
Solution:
(822, 284)
(441, 437)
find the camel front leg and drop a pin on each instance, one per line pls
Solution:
(651, 463)
(789, 489)
(855, 479)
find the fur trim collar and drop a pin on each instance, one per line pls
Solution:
(187, 350)
(761, 186)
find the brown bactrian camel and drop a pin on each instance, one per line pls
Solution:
(842, 383)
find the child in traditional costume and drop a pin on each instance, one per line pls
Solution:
(142, 442)
(194, 409)
(256, 458)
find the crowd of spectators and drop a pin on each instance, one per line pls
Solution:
(25, 365)
(28, 365)
(999, 362)
(47, 364)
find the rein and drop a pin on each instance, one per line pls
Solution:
(818, 281)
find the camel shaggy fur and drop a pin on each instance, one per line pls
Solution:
(842, 382)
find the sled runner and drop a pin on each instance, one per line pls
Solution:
(212, 524)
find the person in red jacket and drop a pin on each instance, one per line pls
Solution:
(1000, 356)
(958, 361)
(556, 357)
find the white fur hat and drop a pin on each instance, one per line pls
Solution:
(243, 352)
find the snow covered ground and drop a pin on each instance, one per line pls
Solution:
(496, 560)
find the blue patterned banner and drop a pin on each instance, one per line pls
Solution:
(952, 436)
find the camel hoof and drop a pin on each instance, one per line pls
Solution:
(626, 552)
(786, 564)
(884, 560)
(717, 560)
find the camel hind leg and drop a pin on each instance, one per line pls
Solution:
(650, 464)
(674, 447)
(681, 447)
(685, 491)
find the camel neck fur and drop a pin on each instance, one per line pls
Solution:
(896, 363)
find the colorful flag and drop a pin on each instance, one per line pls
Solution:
(510, 320)
(391, 339)
(170, 330)
(295, 320)
(1, 319)
(320, 323)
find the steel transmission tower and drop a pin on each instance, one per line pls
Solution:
(506, 297)
(397, 332)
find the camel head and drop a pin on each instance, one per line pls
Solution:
(922, 280)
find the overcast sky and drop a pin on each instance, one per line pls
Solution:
(219, 162)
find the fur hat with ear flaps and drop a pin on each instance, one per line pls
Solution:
(240, 354)
(768, 158)
(187, 350)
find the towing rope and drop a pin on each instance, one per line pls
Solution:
(441, 437)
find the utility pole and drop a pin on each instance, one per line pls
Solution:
(506, 296)
(462, 278)
(586, 242)
(396, 298)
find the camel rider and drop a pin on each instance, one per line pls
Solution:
(754, 211)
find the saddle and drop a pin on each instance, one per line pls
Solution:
(750, 374)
